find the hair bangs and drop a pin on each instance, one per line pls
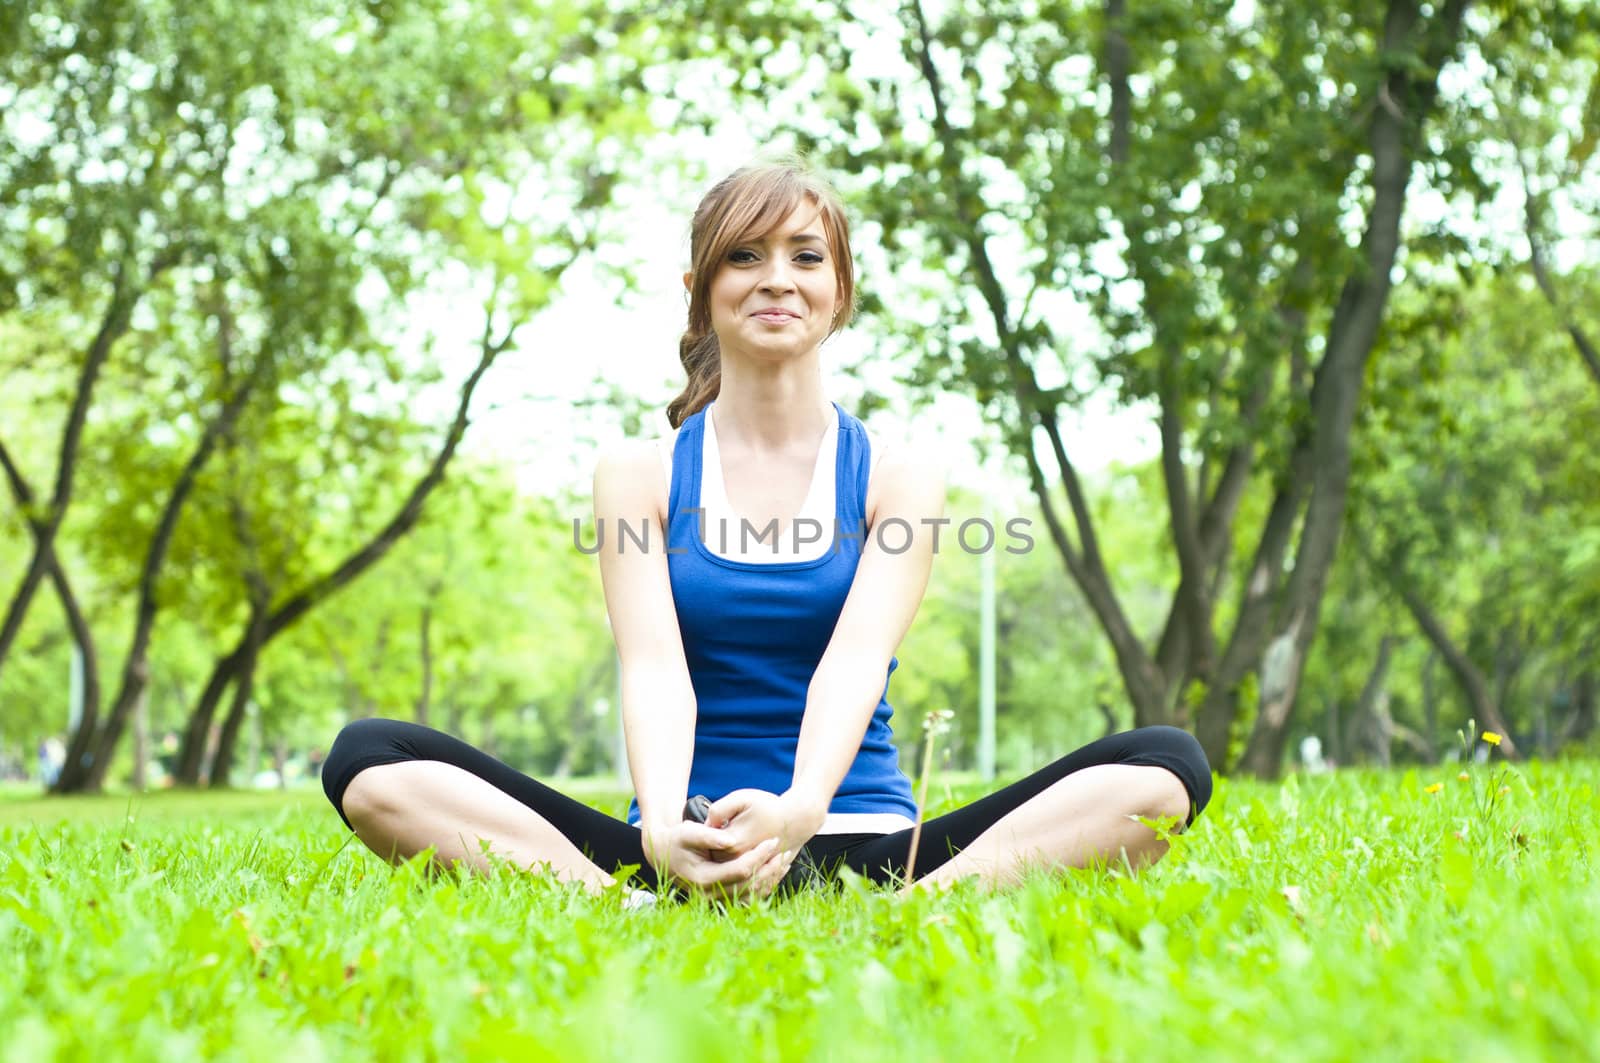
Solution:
(748, 205)
(756, 209)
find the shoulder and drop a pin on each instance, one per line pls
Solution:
(627, 475)
(906, 466)
(618, 460)
(906, 476)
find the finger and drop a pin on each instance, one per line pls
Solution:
(706, 839)
(740, 870)
(723, 811)
(769, 877)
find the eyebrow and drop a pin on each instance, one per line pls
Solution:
(797, 238)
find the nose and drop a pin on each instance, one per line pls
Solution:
(777, 276)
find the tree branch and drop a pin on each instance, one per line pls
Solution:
(1541, 274)
(1086, 564)
(1117, 61)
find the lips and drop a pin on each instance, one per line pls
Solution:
(774, 313)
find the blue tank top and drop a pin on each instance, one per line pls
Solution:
(754, 632)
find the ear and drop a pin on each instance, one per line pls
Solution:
(688, 279)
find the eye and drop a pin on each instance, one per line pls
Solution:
(733, 256)
(811, 258)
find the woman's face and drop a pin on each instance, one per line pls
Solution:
(774, 297)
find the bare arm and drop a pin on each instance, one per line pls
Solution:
(883, 599)
(658, 704)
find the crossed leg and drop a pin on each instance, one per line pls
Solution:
(1090, 816)
(1081, 809)
(404, 789)
(400, 809)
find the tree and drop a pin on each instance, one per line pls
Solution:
(1473, 509)
(1199, 211)
(177, 166)
(1557, 163)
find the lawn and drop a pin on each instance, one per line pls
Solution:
(1354, 916)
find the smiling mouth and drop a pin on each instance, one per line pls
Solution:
(774, 318)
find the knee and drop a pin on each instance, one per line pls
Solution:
(368, 796)
(1167, 798)
(1181, 754)
(347, 778)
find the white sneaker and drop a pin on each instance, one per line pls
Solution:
(639, 899)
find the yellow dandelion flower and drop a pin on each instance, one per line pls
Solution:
(1463, 776)
(1491, 738)
(1435, 788)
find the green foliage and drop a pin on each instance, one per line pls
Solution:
(1318, 919)
(268, 204)
(1469, 489)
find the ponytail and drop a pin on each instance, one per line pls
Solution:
(702, 361)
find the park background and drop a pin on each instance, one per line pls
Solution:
(1277, 321)
(1278, 324)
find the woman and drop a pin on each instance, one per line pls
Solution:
(757, 601)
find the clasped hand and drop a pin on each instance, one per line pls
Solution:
(742, 851)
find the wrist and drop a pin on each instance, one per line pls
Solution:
(656, 825)
(807, 808)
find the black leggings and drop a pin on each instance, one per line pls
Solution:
(612, 843)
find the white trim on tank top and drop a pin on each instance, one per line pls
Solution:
(819, 506)
(819, 503)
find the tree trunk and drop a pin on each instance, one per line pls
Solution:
(1108, 716)
(78, 743)
(1214, 727)
(1541, 274)
(192, 756)
(228, 738)
(1373, 721)
(75, 770)
(1174, 657)
(112, 326)
(1472, 682)
(136, 666)
(243, 688)
(1402, 105)
(192, 751)
(1580, 725)
(1117, 60)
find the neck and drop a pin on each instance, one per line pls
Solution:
(772, 408)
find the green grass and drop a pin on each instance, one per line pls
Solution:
(1329, 918)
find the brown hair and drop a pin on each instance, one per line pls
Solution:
(750, 203)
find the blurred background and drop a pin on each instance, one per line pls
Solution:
(1278, 324)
